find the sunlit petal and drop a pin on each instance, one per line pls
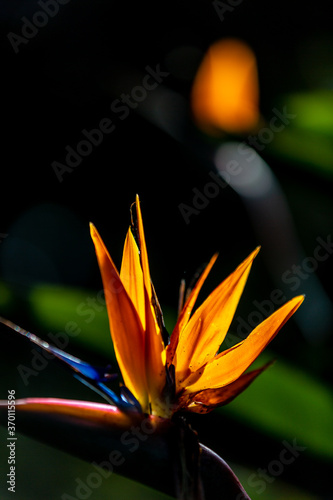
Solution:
(207, 328)
(154, 347)
(208, 399)
(187, 310)
(125, 325)
(229, 365)
(143, 250)
(132, 277)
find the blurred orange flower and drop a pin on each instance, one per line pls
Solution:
(225, 92)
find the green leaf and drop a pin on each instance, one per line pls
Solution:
(6, 297)
(285, 402)
(313, 110)
(307, 140)
(306, 150)
(59, 309)
(55, 307)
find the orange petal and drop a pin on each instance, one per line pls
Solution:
(154, 347)
(229, 365)
(186, 311)
(143, 250)
(208, 399)
(206, 330)
(125, 325)
(132, 277)
(225, 92)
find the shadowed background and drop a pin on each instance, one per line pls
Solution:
(67, 78)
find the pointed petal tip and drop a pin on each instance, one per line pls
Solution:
(250, 258)
(96, 237)
(299, 299)
(212, 261)
(93, 230)
(256, 251)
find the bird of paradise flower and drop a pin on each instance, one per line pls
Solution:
(188, 373)
(162, 377)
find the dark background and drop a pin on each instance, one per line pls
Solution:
(65, 79)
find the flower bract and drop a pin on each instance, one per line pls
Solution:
(187, 371)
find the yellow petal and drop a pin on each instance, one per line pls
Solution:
(225, 92)
(229, 365)
(208, 399)
(132, 277)
(186, 311)
(206, 330)
(143, 250)
(154, 347)
(125, 325)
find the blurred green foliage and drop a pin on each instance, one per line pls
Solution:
(284, 401)
(307, 142)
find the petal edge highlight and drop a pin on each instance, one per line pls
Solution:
(125, 325)
(227, 366)
(207, 328)
(154, 347)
